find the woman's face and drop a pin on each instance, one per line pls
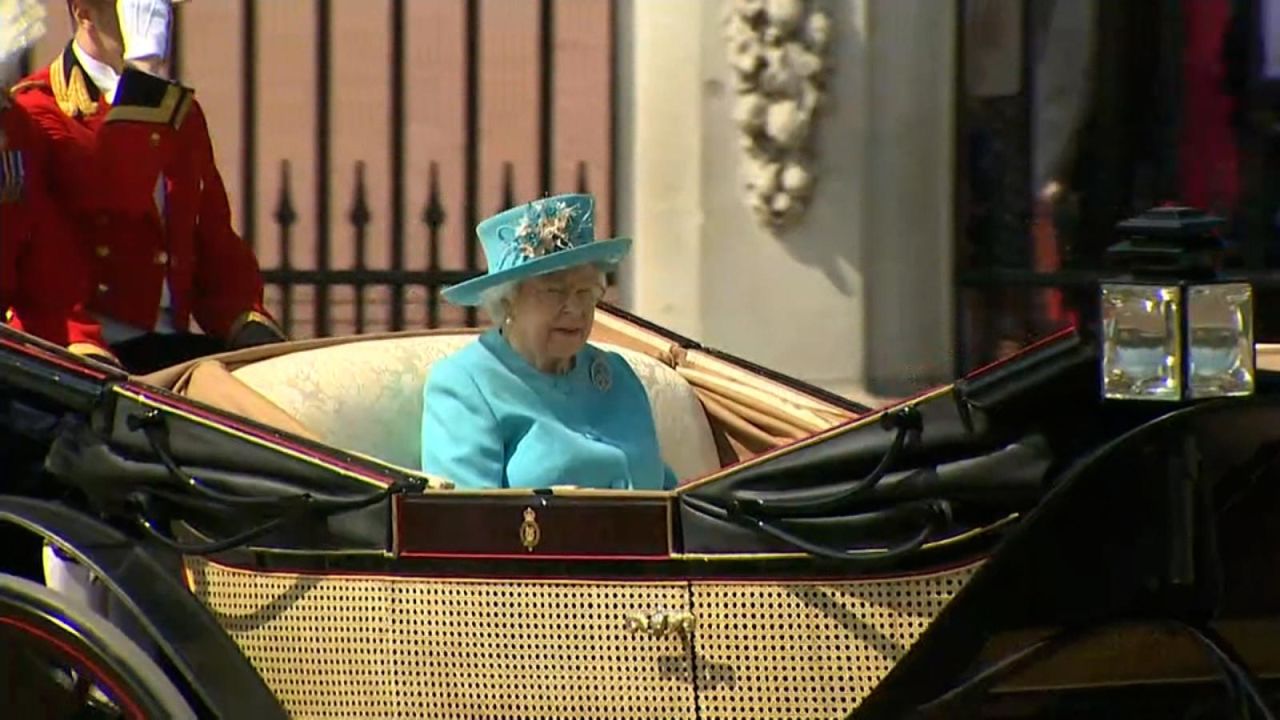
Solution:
(551, 316)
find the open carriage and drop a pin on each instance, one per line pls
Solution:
(1014, 544)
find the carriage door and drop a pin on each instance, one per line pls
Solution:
(791, 648)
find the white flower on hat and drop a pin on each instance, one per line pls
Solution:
(545, 228)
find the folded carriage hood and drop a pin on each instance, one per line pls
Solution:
(114, 459)
(965, 434)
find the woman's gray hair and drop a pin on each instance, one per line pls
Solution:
(496, 301)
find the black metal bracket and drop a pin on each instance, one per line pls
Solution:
(142, 421)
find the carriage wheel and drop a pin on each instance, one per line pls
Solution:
(59, 659)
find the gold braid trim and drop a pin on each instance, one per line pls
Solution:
(71, 95)
(58, 84)
(183, 107)
(171, 110)
(80, 92)
(27, 85)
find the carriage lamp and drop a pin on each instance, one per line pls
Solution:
(1172, 329)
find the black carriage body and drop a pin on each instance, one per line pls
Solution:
(865, 569)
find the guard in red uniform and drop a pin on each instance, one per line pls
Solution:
(132, 166)
(44, 276)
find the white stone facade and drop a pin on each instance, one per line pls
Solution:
(855, 295)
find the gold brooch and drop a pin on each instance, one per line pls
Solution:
(530, 533)
(545, 228)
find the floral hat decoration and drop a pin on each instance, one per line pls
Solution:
(538, 238)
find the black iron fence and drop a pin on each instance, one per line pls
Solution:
(398, 278)
(428, 223)
(399, 286)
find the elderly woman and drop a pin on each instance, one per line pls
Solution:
(531, 404)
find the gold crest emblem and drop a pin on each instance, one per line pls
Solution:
(530, 533)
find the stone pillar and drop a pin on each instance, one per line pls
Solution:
(910, 171)
(804, 301)
(661, 44)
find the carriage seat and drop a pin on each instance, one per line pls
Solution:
(366, 396)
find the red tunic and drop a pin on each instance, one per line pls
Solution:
(1207, 157)
(44, 275)
(104, 163)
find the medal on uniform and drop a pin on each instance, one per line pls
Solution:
(12, 174)
(600, 374)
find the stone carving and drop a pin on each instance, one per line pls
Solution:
(778, 52)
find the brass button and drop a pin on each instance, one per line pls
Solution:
(155, 139)
(102, 251)
(162, 257)
(103, 288)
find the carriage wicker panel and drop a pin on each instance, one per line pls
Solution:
(808, 650)
(388, 647)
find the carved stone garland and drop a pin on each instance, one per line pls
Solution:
(778, 52)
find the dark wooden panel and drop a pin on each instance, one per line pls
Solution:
(540, 526)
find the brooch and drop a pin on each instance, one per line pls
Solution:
(546, 228)
(600, 376)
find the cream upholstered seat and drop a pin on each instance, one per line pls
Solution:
(366, 396)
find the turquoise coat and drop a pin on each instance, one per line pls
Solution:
(492, 420)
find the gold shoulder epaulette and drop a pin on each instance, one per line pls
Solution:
(28, 85)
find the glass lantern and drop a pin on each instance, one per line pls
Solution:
(1171, 329)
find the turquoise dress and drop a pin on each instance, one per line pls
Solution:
(492, 420)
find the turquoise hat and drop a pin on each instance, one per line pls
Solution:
(538, 238)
